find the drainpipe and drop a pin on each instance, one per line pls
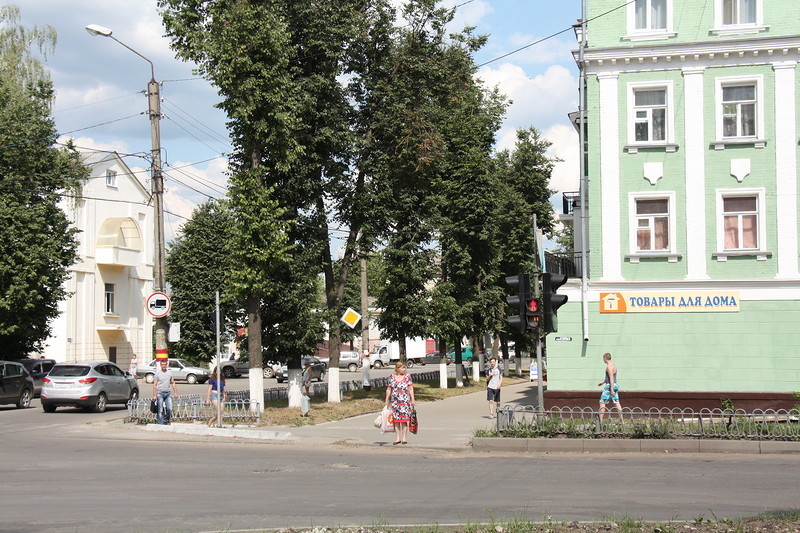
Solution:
(584, 180)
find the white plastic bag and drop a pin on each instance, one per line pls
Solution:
(385, 426)
(378, 420)
(305, 404)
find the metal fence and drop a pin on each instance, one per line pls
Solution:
(635, 423)
(192, 407)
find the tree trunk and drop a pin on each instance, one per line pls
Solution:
(254, 352)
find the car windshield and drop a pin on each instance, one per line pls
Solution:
(69, 371)
(183, 362)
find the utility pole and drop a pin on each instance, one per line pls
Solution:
(364, 325)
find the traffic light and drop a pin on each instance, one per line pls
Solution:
(522, 284)
(533, 313)
(552, 301)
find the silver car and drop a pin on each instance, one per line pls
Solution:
(181, 371)
(90, 384)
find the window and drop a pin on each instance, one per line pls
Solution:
(650, 115)
(738, 12)
(109, 298)
(740, 222)
(733, 17)
(111, 178)
(650, 15)
(650, 121)
(652, 225)
(739, 111)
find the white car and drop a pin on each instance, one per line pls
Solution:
(181, 371)
(347, 359)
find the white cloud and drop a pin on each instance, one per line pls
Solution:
(566, 173)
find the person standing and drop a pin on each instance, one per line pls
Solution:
(400, 397)
(215, 394)
(307, 374)
(610, 386)
(163, 385)
(133, 368)
(494, 380)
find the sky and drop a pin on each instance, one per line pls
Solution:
(100, 100)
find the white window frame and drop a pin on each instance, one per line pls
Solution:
(761, 252)
(671, 253)
(737, 29)
(758, 139)
(648, 34)
(669, 128)
(111, 178)
(109, 304)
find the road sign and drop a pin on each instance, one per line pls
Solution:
(158, 305)
(351, 318)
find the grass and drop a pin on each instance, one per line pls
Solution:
(359, 402)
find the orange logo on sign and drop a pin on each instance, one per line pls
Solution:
(612, 302)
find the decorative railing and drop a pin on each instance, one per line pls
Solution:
(576, 422)
(192, 407)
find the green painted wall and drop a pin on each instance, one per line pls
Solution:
(755, 349)
(692, 20)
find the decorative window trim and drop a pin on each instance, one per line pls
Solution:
(669, 143)
(111, 178)
(648, 34)
(738, 29)
(671, 254)
(761, 253)
(758, 140)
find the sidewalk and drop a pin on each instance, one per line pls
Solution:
(445, 424)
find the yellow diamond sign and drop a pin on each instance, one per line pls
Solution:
(351, 318)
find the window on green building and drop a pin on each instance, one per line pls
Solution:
(650, 115)
(740, 220)
(736, 12)
(739, 111)
(652, 224)
(650, 15)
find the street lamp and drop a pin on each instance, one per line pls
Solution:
(157, 184)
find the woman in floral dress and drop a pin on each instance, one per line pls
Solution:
(400, 392)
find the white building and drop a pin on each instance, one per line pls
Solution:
(104, 317)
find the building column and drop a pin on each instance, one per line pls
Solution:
(695, 150)
(786, 168)
(610, 246)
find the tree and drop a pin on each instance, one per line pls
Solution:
(199, 263)
(37, 244)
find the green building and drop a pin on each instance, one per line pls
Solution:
(691, 200)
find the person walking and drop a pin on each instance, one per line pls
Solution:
(610, 386)
(307, 373)
(133, 368)
(494, 380)
(163, 385)
(215, 394)
(400, 397)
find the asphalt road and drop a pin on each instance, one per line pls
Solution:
(76, 471)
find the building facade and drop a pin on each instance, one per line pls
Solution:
(692, 135)
(104, 317)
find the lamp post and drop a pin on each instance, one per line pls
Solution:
(157, 185)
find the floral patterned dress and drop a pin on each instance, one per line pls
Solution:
(400, 399)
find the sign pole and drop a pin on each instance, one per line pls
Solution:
(220, 394)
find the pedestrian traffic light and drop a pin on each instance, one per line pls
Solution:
(533, 313)
(522, 284)
(552, 301)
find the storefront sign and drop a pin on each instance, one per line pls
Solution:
(670, 302)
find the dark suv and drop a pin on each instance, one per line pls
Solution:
(16, 385)
(38, 369)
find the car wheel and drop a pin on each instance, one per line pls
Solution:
(269, 372)
(134, 395)
(321, 376)
(280, 380)
(409, 363)
(102, 402)
(378, 364)
(148, 378)
(24, 399)
(228, 372)
(352, 367)
(48, 408)
(191, 379)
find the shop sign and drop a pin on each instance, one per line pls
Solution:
(670, 302)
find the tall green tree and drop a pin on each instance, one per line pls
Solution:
(37, 243)
(199, 264)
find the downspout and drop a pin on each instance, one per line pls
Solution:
(584, 180)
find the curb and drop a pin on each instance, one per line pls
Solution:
(242, 433)
(501, 444)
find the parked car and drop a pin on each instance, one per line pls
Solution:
(433, 358)
(16, 385)
(347, 359)
(181, 371)
(241, 365)
(38, 369)
(318, 369)
(88, 384)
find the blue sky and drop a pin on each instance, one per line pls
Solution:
(100, 84)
